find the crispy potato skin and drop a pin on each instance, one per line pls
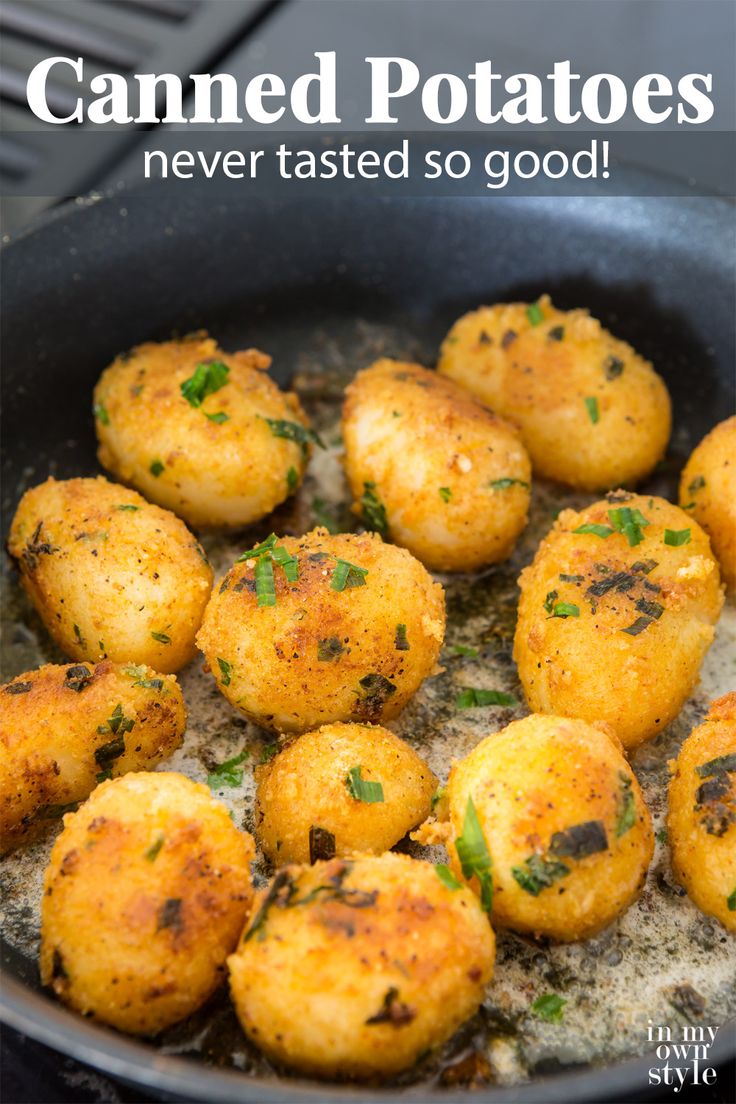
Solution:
(105, 569)
(433, 453)
(708, 482)
(305, 786)
(145, 894)
(588, 666)
(277, 677)
(142, 417)
(701, 826)
(56, 736)
(543, 775)
(541, 385)
(384, 941)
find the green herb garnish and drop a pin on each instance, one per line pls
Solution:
(591, 405)
(472, 698)
(613, 367)
(602, 531)
(475, 859)
(565, 609)
(464, 650)
(153, 850)
(697, 484)
(445, 493)
(294, 431)
(218, 418)
(629, 522)
(112, 750)
(446, 876)
(374, 512)
(538, 873)
(229, 773)
(347, 575)
(226, 671)
(676, 537)
(626, 816)
(401, 642)
(731, 901)
(156, 468)
(292, 479)
(549, 1007)
(328, 649)
(507, 481)
(209, 376)
(549, 601)
(101, 414)
(265, 583)
(127, 506)
(534, 314)
(161, 638)
(371, 793)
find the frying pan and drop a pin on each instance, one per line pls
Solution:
(99, 276)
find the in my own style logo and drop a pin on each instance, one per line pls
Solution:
(683, 1055)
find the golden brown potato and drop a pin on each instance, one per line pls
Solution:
(592, 412)
(320, 628)
(64, 729)
(340, 789)
(205, 433)
(616, 614)
(376, 961)
(431, 466)
(702, 813)
(145, 894)
(111, 576)
(708, 493)
(556, 810)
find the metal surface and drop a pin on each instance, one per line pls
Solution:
(294, 279)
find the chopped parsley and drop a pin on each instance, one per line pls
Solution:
(292, 479)
(347, 575)
(117, 722)
(626, 815)
(374, 512)
(507, 481)
(731, 901)
(266, 554)
(591, 405)
(218, 418)
(446, 876)
(229, 773)
(209, 377)
(127, 506)
(595, 530)
(565, 609)
(629, 522)
(465, 650)
(697, 484)
(294, 431)
(328, 649)
(161, 638)
(549, 601)
(549, 1007)
(534, 314)
(445, 493)
(475, 859)
(226, 671)
(112, 750)
(472, 698)
(151, 853)
(360, 789)
(538, 873)
(676, 537)
(156, 468)
(401, 642)
(101, 414)
(268, 753)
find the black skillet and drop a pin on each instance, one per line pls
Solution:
(96, 278)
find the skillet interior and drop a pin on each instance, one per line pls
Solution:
(327, 286)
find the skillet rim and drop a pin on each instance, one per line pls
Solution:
(139, 1063)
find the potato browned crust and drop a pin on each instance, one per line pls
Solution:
(218, 463)
(63, 728)
(112, 576)
(708, 493)
(146, 891)
(320, 654)
(453, 478)
(568, 832)
(306, 791)
(592, 412)
(646, 616)
(702, 813)
(353, 969)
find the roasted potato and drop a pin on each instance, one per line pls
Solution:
(708, 493)
(64, 729)
(616, 614)
(204, 433)
(111, 576)
(592, 412)
(309, 630)
(376, 961)
(555, 820)
(145, 894)
(341, 789)
(702, 813)
(428, 464)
